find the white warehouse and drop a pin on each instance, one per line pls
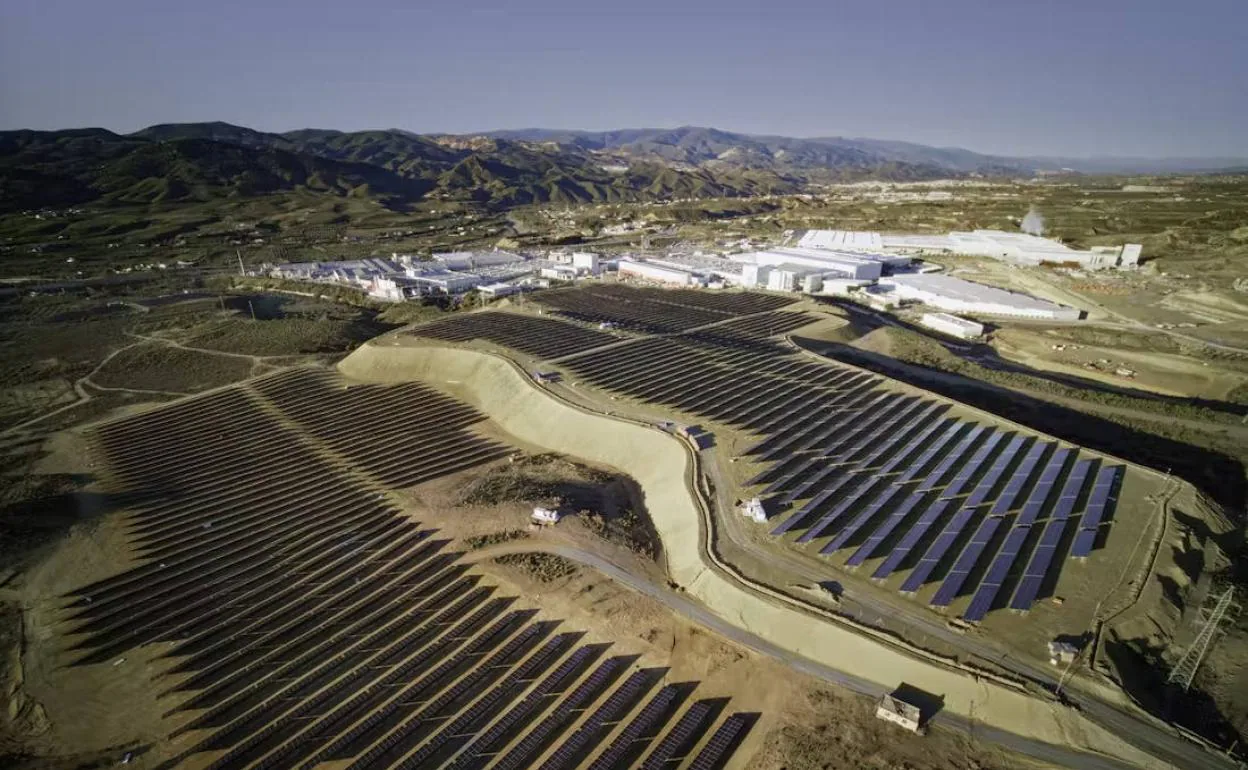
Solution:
(468, 260)
(959, 296)
(952, 325)
(648, 271)
(845, 265)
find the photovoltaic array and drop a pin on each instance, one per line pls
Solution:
(890, 478)
(302, 619)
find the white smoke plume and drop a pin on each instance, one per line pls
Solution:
(1033, 223)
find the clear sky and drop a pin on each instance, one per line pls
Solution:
(1076, 77)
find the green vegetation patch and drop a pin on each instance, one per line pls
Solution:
(494, 538)
(542, 567)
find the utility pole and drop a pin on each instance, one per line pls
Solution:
(239, 254)
(1209, 620)
(252, 309)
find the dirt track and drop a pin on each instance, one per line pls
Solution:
(661, 466)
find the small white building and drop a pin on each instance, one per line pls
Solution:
(496, 290)
(559, 272)
(1062, 652)
(952, 325)
(646, 271)
(545, 516)
(754, 275)
(895, 710)
(586, 262)
(753, 509)
(847, 265)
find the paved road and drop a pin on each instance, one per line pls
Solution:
(697, 613)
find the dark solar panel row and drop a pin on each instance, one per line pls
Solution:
(1005, 501)
(937, 550)
(1100, 498)
(902, 550)
(997, 572)
(994, 473)
(966, 562)
(933, 449)
(868, 513)
(916, 441)
(942, 468)
(894, 520)
(1071, 490)
(1084, 540)
(963, 476)
(1039, 494)
(835, 513)
(687, 731)
(720, 744)
(1033, 576)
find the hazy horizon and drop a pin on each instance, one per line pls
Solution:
(1103, 78)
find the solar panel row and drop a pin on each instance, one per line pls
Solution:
(1038, 567)
(1039, 494)
(942, 468)
(862, 518)
(964, 474)
(966, 562)
(1100, 500)
(912, 536)
(1005, 501)
(981, 602)
(894, 520)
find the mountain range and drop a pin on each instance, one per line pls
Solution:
(204, 161)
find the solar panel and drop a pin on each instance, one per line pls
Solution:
(1084, 540)
(953, 457)
(997, 571)
(837, 511)
(1043, 488)
(913, 536)
(721, 744)
(1070, 490)
(1023, 472)
(993, 474)
(884, 530)
(936, 551)
(862, 518)
(966, 561)
(1099, 500)
(922, 460)
(954, 488)
(898, 434)
(1033, 576)
(911, 445)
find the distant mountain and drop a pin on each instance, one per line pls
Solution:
(206, 161)
(691, 144)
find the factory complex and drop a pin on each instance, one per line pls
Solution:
(1018, 248)
(865, 265)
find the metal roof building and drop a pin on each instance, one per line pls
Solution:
(959, 296)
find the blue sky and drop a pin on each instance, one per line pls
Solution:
(1074, 77)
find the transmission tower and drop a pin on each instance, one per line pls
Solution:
(1208, 622)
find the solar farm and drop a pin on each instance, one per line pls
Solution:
(302, 618)
(967, 516)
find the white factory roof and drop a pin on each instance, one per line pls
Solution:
(968, 291)
(768, 256)
(852, 240)
(1016, 243)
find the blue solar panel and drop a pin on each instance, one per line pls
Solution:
(1019, 478)
(1084, 540)
(1071, 490)
(867, 513)
(954, 488)
(936, 551)
(956, 454)
(838, 510)
(883, 531)
(1000, 567)
(1044, 486)
(993, 475)
(1033, 576)
(915, 533)
(1100, 499)
(859, 421)
(900, 432)
(913, 444)
(913, 468)
(965, 563)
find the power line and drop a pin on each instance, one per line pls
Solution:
(1208, 622)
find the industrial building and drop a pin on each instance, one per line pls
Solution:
(649, 271)
(469, 260)
(959, 296)
(837, 263)
(952, 325)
